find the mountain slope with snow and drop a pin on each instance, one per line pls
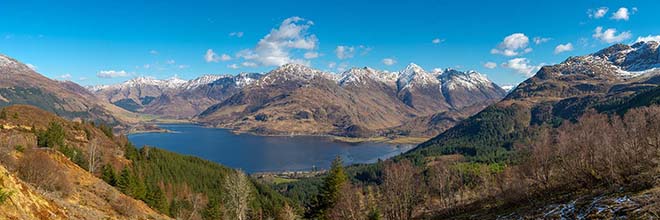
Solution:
(358, 102)
(174, 97)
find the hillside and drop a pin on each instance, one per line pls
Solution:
(21, 85)
(361, 102)
(576, 141)
(610, 80)
(45, 183)
(78, 170)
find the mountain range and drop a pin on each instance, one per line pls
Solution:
(360, 102)
(53, 183)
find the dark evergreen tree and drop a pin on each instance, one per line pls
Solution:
(124, 182)
(52, 137)
(329, 191)
(155, 198)
(3, 114)
(213, 210)
(108, 174)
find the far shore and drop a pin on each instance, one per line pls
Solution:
(356, 140)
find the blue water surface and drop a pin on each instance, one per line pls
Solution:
(253, 153)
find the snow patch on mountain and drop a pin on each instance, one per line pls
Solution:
(472, 80)
(292, 72)
(360, 76)
(176, 83)
(203, 80)
(413, 75)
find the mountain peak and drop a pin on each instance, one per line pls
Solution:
(413, 68)
(360, 75)
(292, 72)
(470, 79)
(414, 75)
(637, 57)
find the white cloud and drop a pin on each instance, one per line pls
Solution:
(598, 13)
(82, 78)
(437, 70)
(621, 14)
(32, 67)
(211, 56)
(170, 62)
(225, 57)
(389, 61)
(490, 65)
(332, 65)
(648, 38)
(364, 50)
(233, 66)
(65, 76)
(236, 34)
(249, 64)
(513, 45)
(311, 55)
(111, 74)
(610, 35)
(182, 66)
(437, 41)
(345, 52)
(521, 65)
(563, 48)
(274, 48)
(153, 52)
(540, 40)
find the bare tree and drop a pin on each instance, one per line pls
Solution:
(288, 213)
(93, 155)
(197, 200)
(351, 204)
(402, 190)
(238, 195)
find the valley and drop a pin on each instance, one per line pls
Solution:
(343, 110)
(362, 103)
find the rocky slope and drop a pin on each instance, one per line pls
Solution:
(361, 102)
(611, 80)
(21, 85)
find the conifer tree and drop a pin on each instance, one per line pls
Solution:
(108, 175)
(329, 191)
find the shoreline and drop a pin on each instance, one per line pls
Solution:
(404, 140)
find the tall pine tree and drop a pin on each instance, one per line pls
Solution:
(329, 191)
(108, 174)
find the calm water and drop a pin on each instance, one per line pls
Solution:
(259, 153)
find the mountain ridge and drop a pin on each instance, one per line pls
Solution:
(360, 102)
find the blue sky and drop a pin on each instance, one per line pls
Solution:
(105, 42)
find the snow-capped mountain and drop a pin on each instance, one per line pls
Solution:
(173, 97)
(292, 72)
(619, 61)
(414, 75)
(360, 76)
(357, 101)
(594, 73)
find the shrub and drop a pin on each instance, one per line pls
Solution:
(52, 137)
(36, 167)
